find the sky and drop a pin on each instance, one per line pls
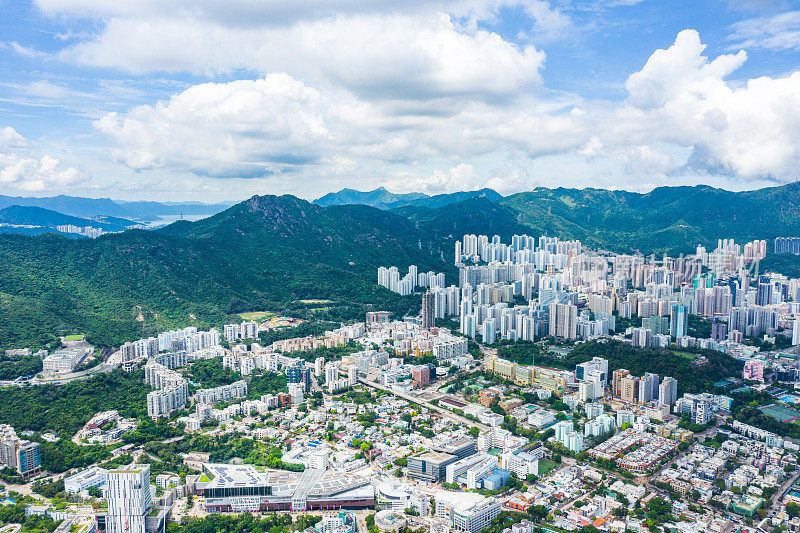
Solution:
(211, 100)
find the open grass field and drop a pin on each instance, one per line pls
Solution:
(546, 466)
(257, 315)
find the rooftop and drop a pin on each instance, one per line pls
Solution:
(66, 353)
(434, 457)
(463, 502)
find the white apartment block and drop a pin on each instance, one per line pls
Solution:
(223, 393)
(129, 499)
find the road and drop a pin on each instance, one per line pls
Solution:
(426, 404)
(107, 366)
(778, 496)
(705, 433)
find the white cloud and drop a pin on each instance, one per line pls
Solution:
(776, 32)
(404, 50)
(24, 170)
(239, 128)
(680, 68)
(10, 139)
(24, 51)
(746, 130)
(379, 56)
(682, 120)
(459, 178)
(275, 13)
(32, 174)
(45, 89)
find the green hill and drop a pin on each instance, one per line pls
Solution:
(475, 215)
(667, 219)
(47, 220)
(286, 254)
(383, 199)
(380, 198)
(266, 253)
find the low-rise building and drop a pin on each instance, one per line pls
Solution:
(91, 477)
(466, 511)
(65, 360)
(430, 465)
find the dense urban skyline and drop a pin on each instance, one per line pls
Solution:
(213, 104)
(369, 266)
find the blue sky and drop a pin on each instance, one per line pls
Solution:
(208, 100)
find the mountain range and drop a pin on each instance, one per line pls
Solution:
(383, 199)
(93, 207)
(283, 253)
(33, 220)
(667, 219)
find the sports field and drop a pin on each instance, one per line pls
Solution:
(546, 466)
(780, 412)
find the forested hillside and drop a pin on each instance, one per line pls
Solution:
(286, 254)
(668, 219)
(266, 253)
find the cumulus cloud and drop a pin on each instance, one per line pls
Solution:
(246, 127)
(10, 139)
(32, 174)
(22, 169)
(671, 72)
(747, 130)
(278, 124)
(411, 50)
(392, 56)
(682, 115)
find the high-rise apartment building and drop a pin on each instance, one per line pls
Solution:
(719, 331)
(489, 331)
(377, 318)
(668, 391)
(616, 380)
(129, 499)
(172, 390)
(678, 321)
(19, 454)
(331, 372)
(787, 245)
(648, 388)
(563, 321)
(764, 291)
(629, 389)
(428, 310)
